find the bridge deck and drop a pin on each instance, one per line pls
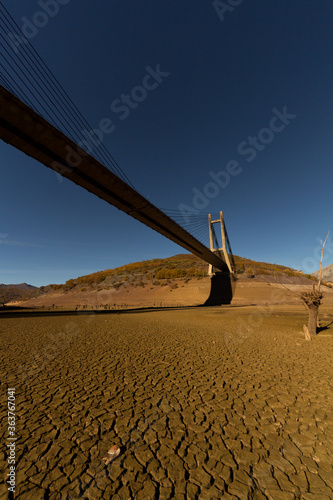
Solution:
(27, 131)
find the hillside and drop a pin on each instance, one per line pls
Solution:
(161, 271)
(16, 292)
(178, 280)
(327, 273)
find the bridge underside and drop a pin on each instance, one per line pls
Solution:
(27, 131)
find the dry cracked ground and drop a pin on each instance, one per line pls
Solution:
(205, 403)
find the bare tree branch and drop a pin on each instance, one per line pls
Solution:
(321, 260)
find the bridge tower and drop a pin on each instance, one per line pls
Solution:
(211, 241)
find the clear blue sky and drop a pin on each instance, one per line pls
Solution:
(226, 76)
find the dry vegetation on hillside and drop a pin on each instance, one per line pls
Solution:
(15, 292)
(161, 272)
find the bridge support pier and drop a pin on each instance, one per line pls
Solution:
(221, 282)
(211, 241)
(221, 291)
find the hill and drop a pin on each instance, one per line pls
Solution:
(178, 280)
(327, 273)
(159, 271)
(20, 291)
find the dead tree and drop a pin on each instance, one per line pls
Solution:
(312, 301)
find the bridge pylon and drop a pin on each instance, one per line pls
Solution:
(211, 241)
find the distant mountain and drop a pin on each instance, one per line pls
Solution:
(20, 291)
(327, 273)
(20, 286)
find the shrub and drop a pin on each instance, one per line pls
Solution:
(240, 268)
(262, 271)
(69, 284)
(56, 287)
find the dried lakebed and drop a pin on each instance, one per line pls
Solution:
(204, 403)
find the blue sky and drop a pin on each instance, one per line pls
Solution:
(229, 75)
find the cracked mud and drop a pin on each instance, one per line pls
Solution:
(199, 406)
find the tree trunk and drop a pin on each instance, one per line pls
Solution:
(307, 336)
(313, 319)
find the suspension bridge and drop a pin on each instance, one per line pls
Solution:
(38, 118)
